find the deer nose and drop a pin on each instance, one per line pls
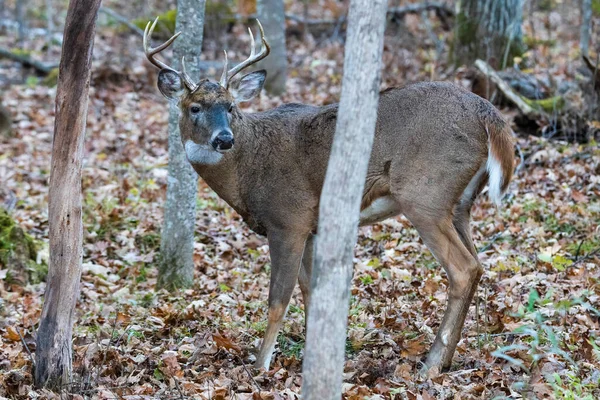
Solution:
(223, 141)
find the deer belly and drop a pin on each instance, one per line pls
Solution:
(380, 209)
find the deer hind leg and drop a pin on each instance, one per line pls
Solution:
(462, 223)
(464, 272)
(286, 250)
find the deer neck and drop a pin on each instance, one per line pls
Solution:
(223, 177)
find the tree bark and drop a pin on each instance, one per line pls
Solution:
(53, 345)
(271, 14)
(586, 26)
(20, 8)
(489, 30)
(176, 268)
(50, 18)
(340, 201)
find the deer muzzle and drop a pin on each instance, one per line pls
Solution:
(222, 141)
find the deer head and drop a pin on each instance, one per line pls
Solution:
(207, 108)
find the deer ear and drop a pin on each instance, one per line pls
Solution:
(170, 84)
(250, 85)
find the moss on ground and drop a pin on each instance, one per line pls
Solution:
(18, 253)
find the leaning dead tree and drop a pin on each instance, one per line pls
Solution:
(53, 353)
(340, 202)
(176, 267)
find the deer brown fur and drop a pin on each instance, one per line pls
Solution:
(435, 148)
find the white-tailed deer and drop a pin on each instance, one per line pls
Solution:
(436, 146)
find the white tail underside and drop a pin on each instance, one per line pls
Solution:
(494, 170)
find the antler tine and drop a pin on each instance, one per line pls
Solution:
(252, 43)
(223, 81)
(265, 49)
(186, 78)
(151, 52)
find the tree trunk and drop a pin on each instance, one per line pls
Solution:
(489, 30)
(271, 14)
(20, 8)
(340, 201)
(50, 18)
(176, 268)
(586, 26)
(53, 345)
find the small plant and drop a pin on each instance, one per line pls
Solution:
(542, 339)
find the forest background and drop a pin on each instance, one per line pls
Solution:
(535, 328)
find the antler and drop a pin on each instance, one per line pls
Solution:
(254, 58)
(151, 52)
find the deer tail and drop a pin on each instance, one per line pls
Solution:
(500, 161)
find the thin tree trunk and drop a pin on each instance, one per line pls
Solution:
(53, 345)
(176, 269)
(20, 17)
(340, 201)
(490, 30)
(50, 18)
(271, 14)
(586, 26)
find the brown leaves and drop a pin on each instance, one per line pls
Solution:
(225, 343)
(202, 341)
(12, 334)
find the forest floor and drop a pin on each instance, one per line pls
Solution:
(533, 331)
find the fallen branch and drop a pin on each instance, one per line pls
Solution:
(439, 8)
(507, 91)
(27, 61)
(416, 8)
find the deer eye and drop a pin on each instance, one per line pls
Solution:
(230, 108)
(195, 109)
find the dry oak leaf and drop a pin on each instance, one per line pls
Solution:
(172, 367)
(12, 334)
(225, 343)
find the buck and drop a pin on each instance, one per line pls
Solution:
(436, 146)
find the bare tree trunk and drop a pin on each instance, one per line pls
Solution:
(176, 269)
(20, 8)
(490, 30)
(586, 26)
(53, 345)
(271, 14)
(340, 201)
(50, 17)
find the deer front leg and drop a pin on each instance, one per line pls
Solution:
(286, 248)
(304, 279)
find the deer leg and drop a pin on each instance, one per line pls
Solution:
(286, 250)
(462, 223)
(464, 272)
(304, 278)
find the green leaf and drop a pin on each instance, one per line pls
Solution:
(533, 297)
(560, 263)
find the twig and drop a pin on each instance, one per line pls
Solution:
(181, 396)
(578, 249)
(27, 61)
(112, 13)
(506, 90)
(587, 256)
(26, 347)
(249, 374)
(492, 240)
